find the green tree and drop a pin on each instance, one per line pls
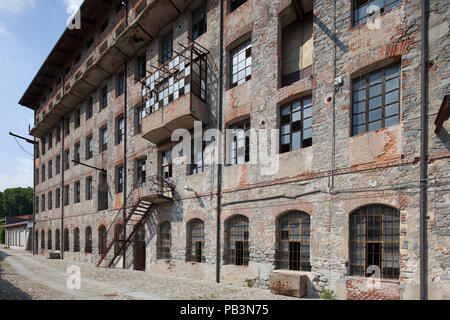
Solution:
(16, 202)
(2, 233)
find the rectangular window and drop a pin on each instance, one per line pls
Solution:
(77, 118)
(104, 99)
(199, 21)
(43, 145)
(239, 143)
(234, 4)
(43, 203)
(50, 200)
(167, 43)
(58, 164)
(67, 127)
(120, 129)
(90, 108)
(66, 195)
(376, 100)
(296, 50)
(141, 67)
(50, 140)
(89, 188)
(57, 198)
(141, 172)
(119, 179)
(58, 134)
(76, 192)
(50, 169)
(121, 83)
(197, 158)
(241, 63)
(77, 155)
(36, 177)
(296, 125)
(43, 173)
(66, 159)
(36, 205)
(166, 167)
(103, 139)
(139, 115)
(89, 147)
(361, 10)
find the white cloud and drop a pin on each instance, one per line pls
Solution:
(16, 6)
(21, 177)
(4, 32)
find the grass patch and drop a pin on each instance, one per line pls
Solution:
(327, 294)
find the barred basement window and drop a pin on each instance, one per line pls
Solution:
(236, 241)
(361, 11)
(195, 241)
(164, 241)
(241, 63)
(57, 240)
(167, 43)
(88, 240)
(76, 240)
(102, 239)
(374, 241)
(49, 240)
(166, 167)
(66, 240)
(199, 21)
(239, 143)
(376, 100)
(43, 239)
(296, 125)
(293, 237)
(234, 4)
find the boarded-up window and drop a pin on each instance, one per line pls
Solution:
(297, 50)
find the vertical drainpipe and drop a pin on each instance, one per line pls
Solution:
(423, 150)
(61, 232)
(219, 165)
(34, 193)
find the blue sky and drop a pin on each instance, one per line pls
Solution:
(28, 31)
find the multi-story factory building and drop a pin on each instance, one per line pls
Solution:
(359, 180)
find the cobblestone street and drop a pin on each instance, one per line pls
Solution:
(27, 277)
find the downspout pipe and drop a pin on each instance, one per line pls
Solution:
(219, 165)
(423, 150)
(61, 232)
(33, 228)
(125, 98)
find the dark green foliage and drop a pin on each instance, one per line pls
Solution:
(16, 202)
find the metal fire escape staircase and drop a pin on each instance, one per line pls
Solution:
(136, 216)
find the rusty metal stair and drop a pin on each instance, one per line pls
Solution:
(137, 215)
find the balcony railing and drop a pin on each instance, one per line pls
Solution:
(154, 188)
(184, 73)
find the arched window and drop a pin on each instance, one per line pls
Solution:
(88, 240)
(102, 239)
(374, 241)
(118, 234)
(66, 240)
(43, 239)
(57, 240)
(49, 240)
(164, 241)
(236, 241)
(76, 240)
(293, 239)
(195, 241)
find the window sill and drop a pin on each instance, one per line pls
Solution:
(382, 280)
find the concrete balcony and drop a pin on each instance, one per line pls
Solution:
(174, 95)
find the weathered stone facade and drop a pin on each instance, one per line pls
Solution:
(329, 180)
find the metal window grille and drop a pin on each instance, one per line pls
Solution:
(88, 240)
(166, 168)
(241, 63)
(199, 21)
(296, 125)
(236, 241)
(167, 43)
(76, 240)
(66, 240)
(164, 241)
(361, 10)
(49, 240)
(42, 239)
(234, 4)
(102, 239)
(239, 144)
(195, 241)
(293, 237)
(57, 240)
(376, 100)
(374, 240)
